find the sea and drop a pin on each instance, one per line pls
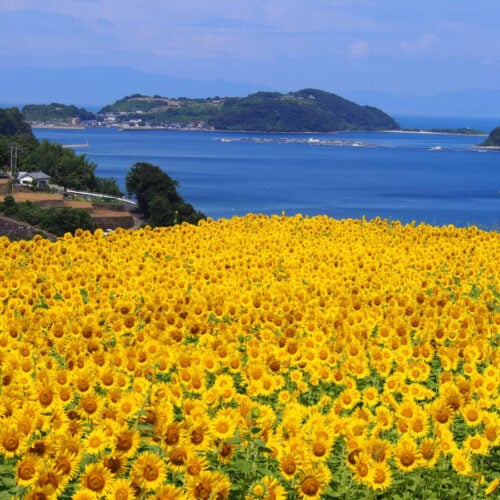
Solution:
(439, 179)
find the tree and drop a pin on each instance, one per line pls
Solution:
(64, 166)
(157, 196)
(61, 220)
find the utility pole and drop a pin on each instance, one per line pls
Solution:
(13, 161)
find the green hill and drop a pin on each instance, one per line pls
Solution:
(12, 123)
(55, 112)
(307, 110)
(493, 139)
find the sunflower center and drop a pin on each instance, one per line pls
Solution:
(202, 490)
(121, 494)
(194, 469)
(418, 426)
(362, 469)
(172, 437)
(63, 466)
(475, 444)
(197, 436)
(83, 385)
(289, 467)
(310, 486)
(178, 457)
(472, 415)
(45, 397)
(26, 471)
(319, 449)
(95, 442)
(407, 459)
(379, 476)
(226, 450)
(222, 427)
(442, 416)
(123, 443)
(95, 481)
(11, 443)
(427, 452)
(151, 472)
(89, 406)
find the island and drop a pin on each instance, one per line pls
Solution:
(493, 140)
(308, 110)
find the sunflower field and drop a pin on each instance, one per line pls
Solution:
(252, 358)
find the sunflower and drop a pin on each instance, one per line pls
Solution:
(178, 458)
(492, 487)
(128, 405)
(148, 471)
(69, 443)
(430, 452)
(175, 434)
(320, 446)
(370, 396)
(361, 464)
(169, 492)
(290, 464)
(312, 481)
(418, 426)
(27, 469)
(223, 426)
(379, 450)
(196, 464)
(461, 463)
(121, 489)
(84, 494)
(472, 414)
(379, 477)
(477, 444)
(45, 492)
(384, 418)
(406, 454)
(115, 464)
(126, 441)
(48, 478)
(200, 435)
(96, 478)
(12, 443)
(66, 465)
(275, 491)
(96, 442)
(208, 485)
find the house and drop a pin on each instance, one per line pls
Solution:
(33, 178)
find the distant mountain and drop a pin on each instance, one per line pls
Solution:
(471, 102)
(308, 110)
(93, 87)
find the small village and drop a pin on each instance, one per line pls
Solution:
(107, 212)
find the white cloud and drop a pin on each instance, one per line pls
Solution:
(360, 48)
(423, 44)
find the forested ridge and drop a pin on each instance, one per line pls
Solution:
(308, 110)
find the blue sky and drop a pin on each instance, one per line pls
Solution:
(420, 47)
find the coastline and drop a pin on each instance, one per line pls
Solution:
(487, 148)
(59, 127)
(433, 132)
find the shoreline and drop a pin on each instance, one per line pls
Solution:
(433, 132)
(60, 127)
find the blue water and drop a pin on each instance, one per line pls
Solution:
(398, 177)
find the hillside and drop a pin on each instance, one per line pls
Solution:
(307, 110)
(55, 112)
(493, 139)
